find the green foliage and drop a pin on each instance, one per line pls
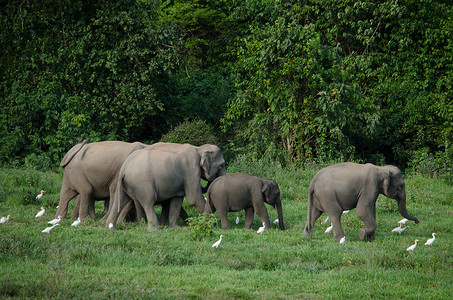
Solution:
(201, 226)
(196, 133)
(288, 81)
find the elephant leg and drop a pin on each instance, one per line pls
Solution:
(106, 204)
(165, 213)
(184, 216)
(148, 202)
(337, 229)
(314, 216)
(367, 212)
(124, 211)
(84, 198)
(139, 210)
(75, 212)
(262, 213)
(91, 210)
(249, 213)
(66, 194)
(175, 210)
(223, 215)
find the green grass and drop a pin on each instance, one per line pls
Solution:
(92, 262)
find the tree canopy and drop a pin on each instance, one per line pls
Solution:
(286, 80)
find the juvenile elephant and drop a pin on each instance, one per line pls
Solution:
(166, 174)
(237, 191)
(90, 171)
(349, 185)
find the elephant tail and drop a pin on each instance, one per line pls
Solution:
(308, 226)
(209, 207)
(71, 153)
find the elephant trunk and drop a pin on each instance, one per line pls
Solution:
(280, 215)
(401, 198)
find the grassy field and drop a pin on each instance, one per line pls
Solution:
(91, 262)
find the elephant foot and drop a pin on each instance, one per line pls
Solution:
(152, 228)
(175, 226)
(365, 236)
(362, 234)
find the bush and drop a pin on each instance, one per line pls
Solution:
(196, 132)
(201, 226)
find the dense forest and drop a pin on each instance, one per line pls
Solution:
(284, 80)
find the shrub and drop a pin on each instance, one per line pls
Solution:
(201, 225)
(196, 132)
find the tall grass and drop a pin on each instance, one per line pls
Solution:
(91, 262)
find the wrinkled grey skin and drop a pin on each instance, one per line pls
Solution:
(166, 173)
(90, 171)
(349, 185)
(237, 191)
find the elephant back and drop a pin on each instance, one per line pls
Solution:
(71, 153)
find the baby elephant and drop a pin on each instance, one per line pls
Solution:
(237, 191)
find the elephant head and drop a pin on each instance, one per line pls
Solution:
(393, 187)
(212, 163)
(271, 194)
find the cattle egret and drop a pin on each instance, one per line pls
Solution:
(40, 195)
(431, 240)
(343, 240)
(402, 221)
(345, 212)
(48, 229)
(41, 212)
(399, 229)
(261, 229)
(276, 221)
(4, 219)
(111, 226)
(76, 222)
(216, 244)
(411, 248)
(55, 221)
(325, 221)
(237, 219)
(329, 229)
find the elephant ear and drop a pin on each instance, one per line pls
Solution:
(387, 180)
(265, 189)
(205, 162)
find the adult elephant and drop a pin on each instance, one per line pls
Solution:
(237, 191)
(91, 171)
(349, 185)
(165, 173)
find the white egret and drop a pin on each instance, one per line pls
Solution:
(216, 244)
(111, 226)
(40, 195)
(261, 229)
(48, 229)
(402, 221)
(431, 240)
(41, 212)
(411, 248)
(76, 222)
(276, 221)
(55, 221)
(399, 229)
(325, 220)
(237, 219)
(343, 240)
(329, 229)
(345, 211)
(4, 219)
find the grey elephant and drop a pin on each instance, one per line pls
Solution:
(165, 175)
(90, 171)
(349, 185)
(237, 191)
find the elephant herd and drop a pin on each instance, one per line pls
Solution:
(134, 177)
